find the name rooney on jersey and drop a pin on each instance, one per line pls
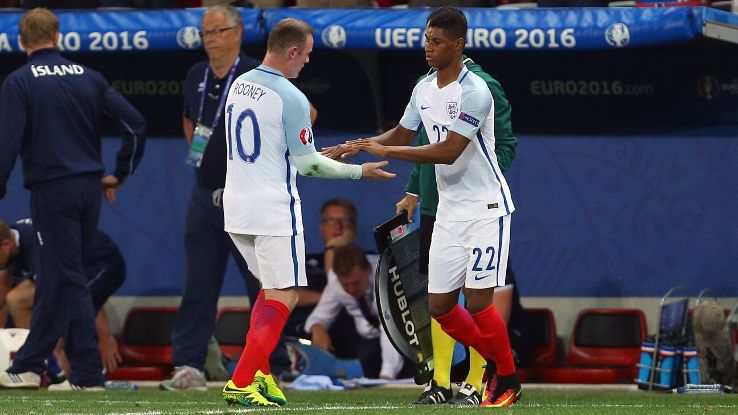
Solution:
(58, 70)
(254, 92)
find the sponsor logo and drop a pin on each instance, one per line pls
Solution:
(334, 36)
(306, 136)
(397, 232)
(452, 109)
(469, 119)
(478, 278)
(423, 107)
(188, 37)
(399, 296)
(617, 35)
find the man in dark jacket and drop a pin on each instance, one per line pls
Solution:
(52, 111)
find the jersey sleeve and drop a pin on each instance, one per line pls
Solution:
(475, 106)
(411, 118)
(297, 127)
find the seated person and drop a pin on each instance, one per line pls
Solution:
(351, 288)
(104, 266)
(337, 228)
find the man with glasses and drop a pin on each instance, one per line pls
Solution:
(337, 228)
(207, 245)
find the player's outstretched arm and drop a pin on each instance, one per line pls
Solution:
(317, 165)
(444, 152)
(374, 171)
(397, 136)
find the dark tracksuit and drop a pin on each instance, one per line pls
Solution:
(103, 264)
(207, 245)
(52, 111)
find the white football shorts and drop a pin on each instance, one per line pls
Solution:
(471, 254)
(276, 261)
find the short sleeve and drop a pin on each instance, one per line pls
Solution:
(476, 104)
(298, 129)
(411, 118)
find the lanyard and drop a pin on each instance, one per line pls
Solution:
(223, 93)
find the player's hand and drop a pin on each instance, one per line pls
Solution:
(374, 171)
(408, 203)
(109, 353)
(320, 338)
(110, 185)
(370, 146)
(339, 152)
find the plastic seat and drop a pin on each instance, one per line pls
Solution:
(147, 335)
(231, 326)
(543, 336)
(607, 337)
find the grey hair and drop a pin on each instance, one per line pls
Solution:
(232, 15)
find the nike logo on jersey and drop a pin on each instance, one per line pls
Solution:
(478, 278)
(424, 108)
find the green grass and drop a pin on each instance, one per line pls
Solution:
(363, 401)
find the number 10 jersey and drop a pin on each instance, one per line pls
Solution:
(267, 122)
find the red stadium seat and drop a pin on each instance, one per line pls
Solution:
(605, 346)
(147, 336)
(231, 326)
(542, 331)
(145, 344)
(544, 336)
(607, 337)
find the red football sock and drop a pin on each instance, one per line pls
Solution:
(494, 333)
(267, 324)
(460, 325)
(265, 368)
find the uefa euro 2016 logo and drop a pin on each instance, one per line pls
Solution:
(617, 35)
(188, 37)
(334, 36)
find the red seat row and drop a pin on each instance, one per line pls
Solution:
(146, 347)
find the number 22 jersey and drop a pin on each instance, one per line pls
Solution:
(473, 187)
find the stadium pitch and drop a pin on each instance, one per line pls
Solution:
(362, 401)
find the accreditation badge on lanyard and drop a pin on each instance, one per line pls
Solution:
(202, 133)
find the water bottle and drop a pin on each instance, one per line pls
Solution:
(120, 385)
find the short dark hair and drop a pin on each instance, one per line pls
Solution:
(347, 257)
(450, 19)
(37, 27)
(287, 33)
(341, 202)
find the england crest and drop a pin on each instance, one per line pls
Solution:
(452, 109)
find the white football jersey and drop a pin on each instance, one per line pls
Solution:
(267, 121)
(473, 187)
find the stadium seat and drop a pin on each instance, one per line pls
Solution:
(543, 336)
(604, 348)
(607, 337)
(231, 326)
(147, 336)
(146, 344)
